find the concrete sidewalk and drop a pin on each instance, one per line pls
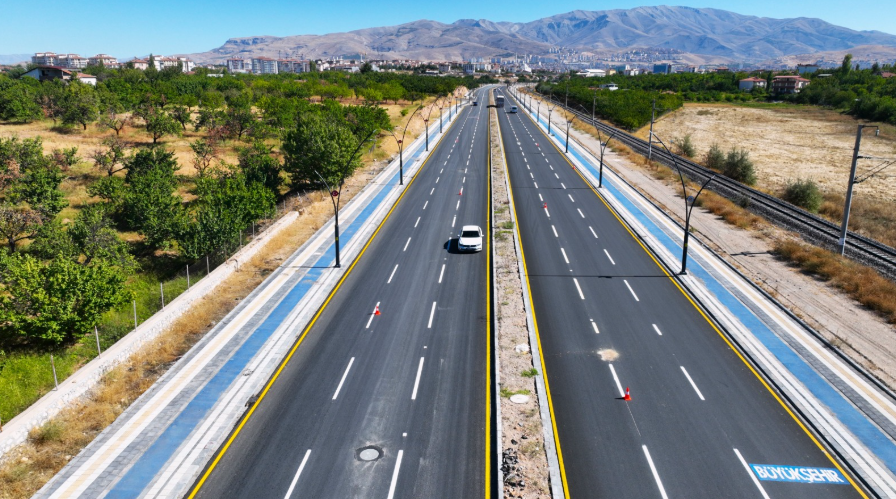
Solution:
(854, 416)
(160, 444)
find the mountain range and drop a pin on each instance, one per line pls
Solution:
(712, 35)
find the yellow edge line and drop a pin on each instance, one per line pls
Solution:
(308, 328)
(544, 372)
(709, 321)
(488, 315)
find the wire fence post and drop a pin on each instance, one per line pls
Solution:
(206, 264)
(241, 240)
(96, 332)
(135, 314)
(162, 288)
(53, 365)
(188, 276)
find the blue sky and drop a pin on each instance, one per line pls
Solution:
(138, 27)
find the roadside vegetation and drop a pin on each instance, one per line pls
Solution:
(157, 172)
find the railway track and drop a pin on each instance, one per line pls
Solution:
(811, 227)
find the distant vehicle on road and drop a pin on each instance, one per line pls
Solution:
(475, 103)
(513, 109)
(499, 101)
(470, 238)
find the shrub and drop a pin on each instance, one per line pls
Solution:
(739, 167)
(714, 158)
(803, 193)
(684, 146)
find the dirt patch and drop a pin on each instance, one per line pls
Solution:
(607, 354)
(787, 143)
(524, 462)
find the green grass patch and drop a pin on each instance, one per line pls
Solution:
(529, 373)
(509, 393)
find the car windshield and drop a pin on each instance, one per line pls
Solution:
(469, 233)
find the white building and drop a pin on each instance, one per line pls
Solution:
(590, 73)
(264, 65)
(238, 66)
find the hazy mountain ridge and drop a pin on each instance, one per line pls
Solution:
(713, 33)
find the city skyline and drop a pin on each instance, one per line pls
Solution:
(161, 27)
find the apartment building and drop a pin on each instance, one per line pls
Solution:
(264, 65)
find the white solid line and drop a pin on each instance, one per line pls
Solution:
(406, 244)
(657, 330)
(630, 289)
(417, 222)
(441, 273)
(555, 231)
(616, 378)
(344, 375)
(580, 212)
(395, 475)
(564, 257)
(752, 475)
(610, 257)
(392, 274)
(570, 198)
(577, 286)
(295, 479)
(594, 325)
(656, 476)
(431, 314)
(592, 231)
(417, 381)
(371, 316)
(425, 204)
(536, 184)
(688, 376)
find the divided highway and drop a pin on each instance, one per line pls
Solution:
(609, 319)
(395, 404)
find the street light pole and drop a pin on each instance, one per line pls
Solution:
(603, 145)
(841, 244)
(400, 142)
(688, 207)
(650, 137)
(335, 194)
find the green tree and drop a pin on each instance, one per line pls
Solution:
(32, 179)
(319, 145)
(846, 65)
(79, 104)
(149, 204)
(19, 103)
(182, 115)
(257, 164)
(159, 124)
(803, 193)
(53, 302)
(714, 158)
(226, 205)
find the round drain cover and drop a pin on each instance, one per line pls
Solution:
(519, 398)
(369, 453)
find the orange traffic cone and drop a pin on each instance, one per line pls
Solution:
(460, 192)
(376, 311)
(545, 206)
(628, 396)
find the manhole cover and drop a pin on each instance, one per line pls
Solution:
(519, 398)
(369, 453)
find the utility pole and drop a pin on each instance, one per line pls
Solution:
(841, 244)
(650, 138)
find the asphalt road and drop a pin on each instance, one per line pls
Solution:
(408, 386)
(608, 318)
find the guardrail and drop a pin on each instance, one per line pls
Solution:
(811, 227)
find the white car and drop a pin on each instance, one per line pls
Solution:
(470, 238)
